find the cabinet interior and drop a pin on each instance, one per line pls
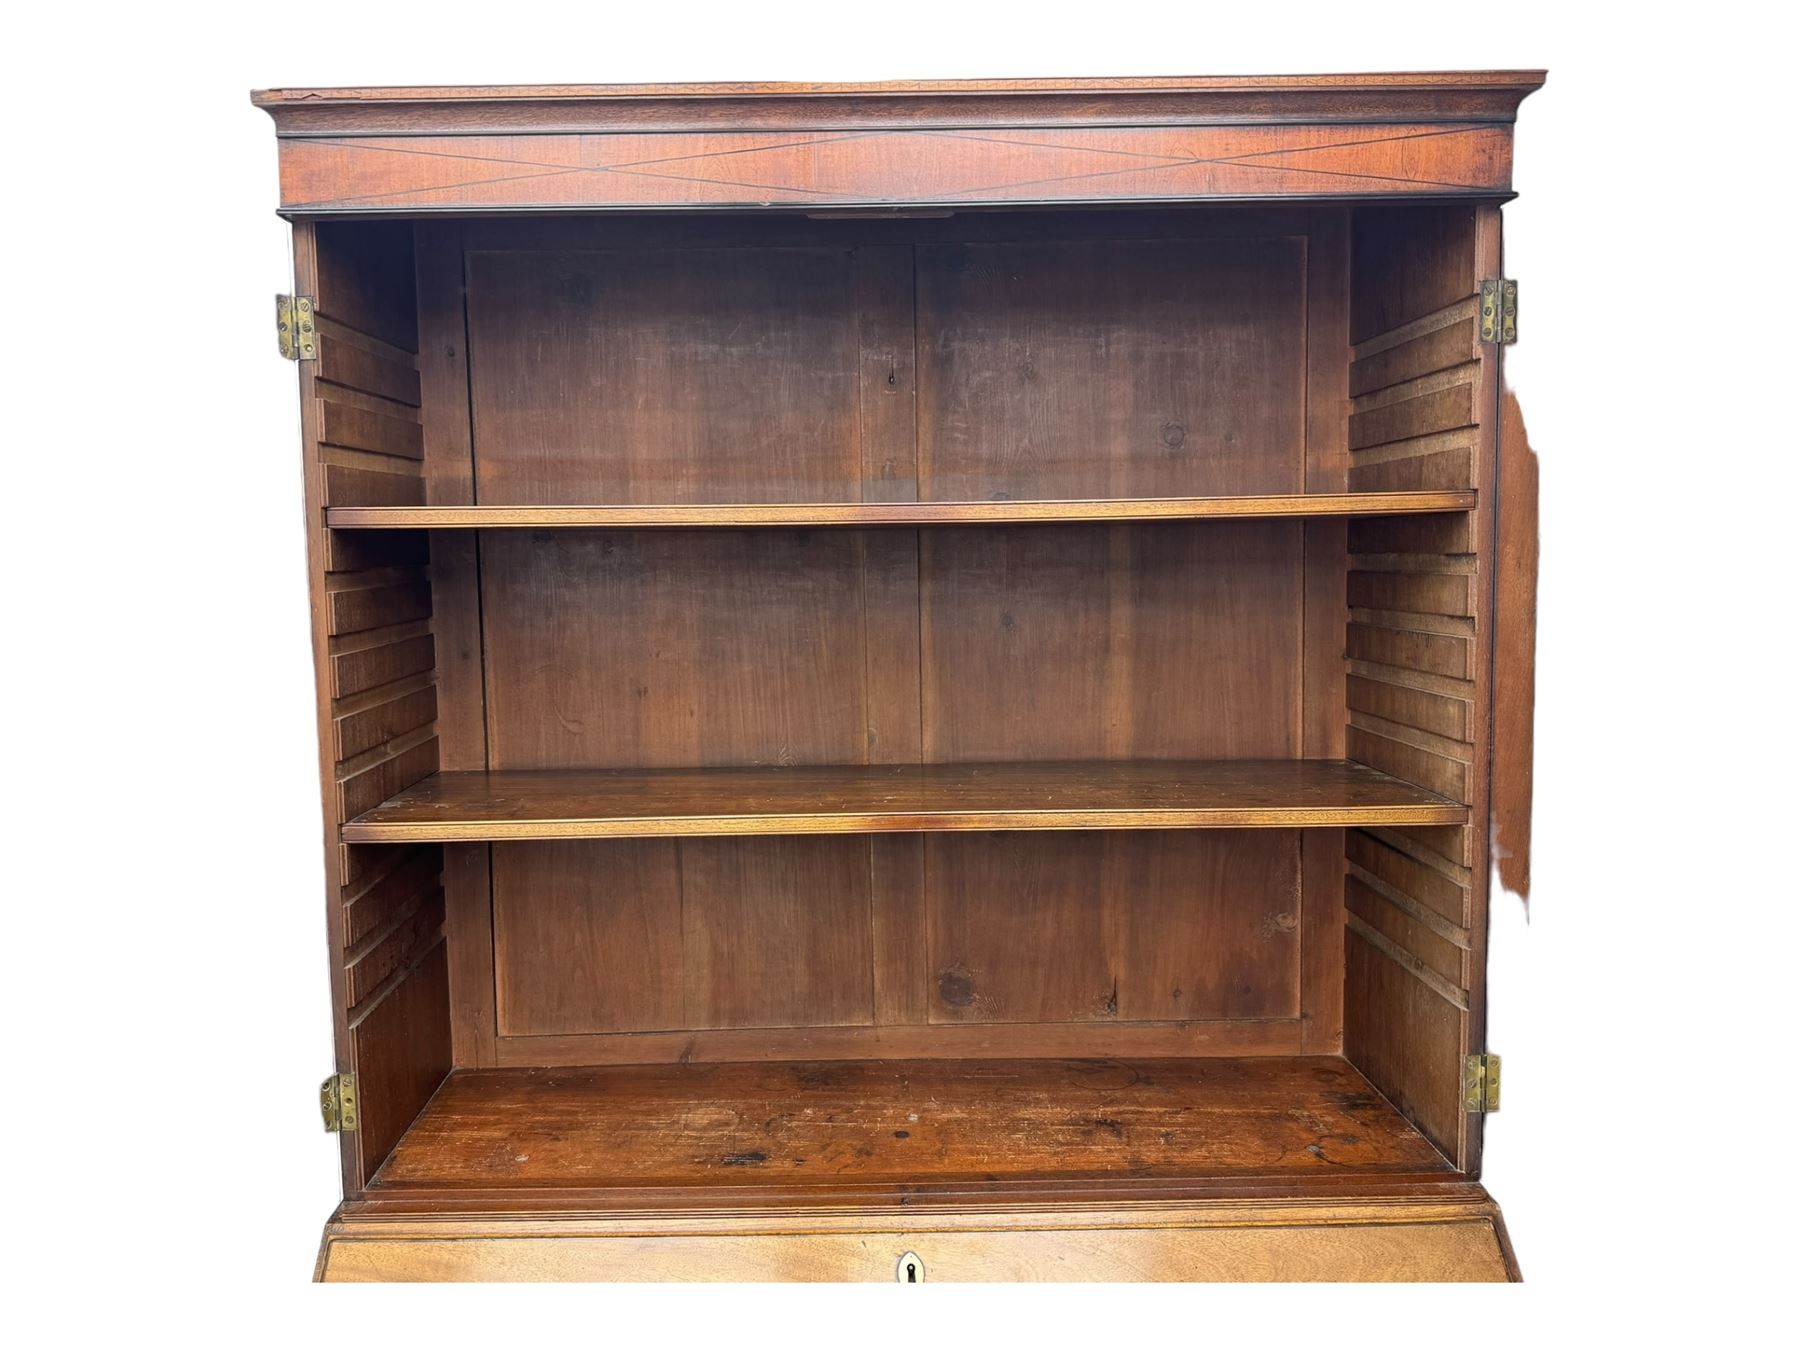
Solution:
(1107, 819)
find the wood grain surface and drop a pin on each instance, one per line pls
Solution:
(1113, 642)
(808, 515)
(1419, 642)
(708, 375)
(624, 803)
(822, 170)
(1461, 1251)
(1471, 95)
(824, 146)
(1023, 345)
(373, 652)
(1515, 650)
(1296, 1230)
(867, 1121)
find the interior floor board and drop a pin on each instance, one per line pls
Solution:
(903, 1121)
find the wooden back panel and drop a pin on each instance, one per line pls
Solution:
(1112, 642)
(668, 376)
(648, 649)
(987, 943)
(1112, 368)
(775, 362)
(376, 652)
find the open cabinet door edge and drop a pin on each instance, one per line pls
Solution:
(1516, 563)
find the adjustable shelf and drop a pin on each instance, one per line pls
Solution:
(817, 514)
(646, 803)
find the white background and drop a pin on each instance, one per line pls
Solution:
(166, 957)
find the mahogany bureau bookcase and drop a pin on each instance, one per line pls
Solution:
(917, 680)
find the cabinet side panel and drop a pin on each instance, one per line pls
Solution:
(374, 649)
(1417, 648)
(402, 1054)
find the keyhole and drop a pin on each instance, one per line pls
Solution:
(910, 1270)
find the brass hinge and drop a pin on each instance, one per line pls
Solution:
(294, 327)
(1500, 311)
(1481, 1083)
(337, 1100)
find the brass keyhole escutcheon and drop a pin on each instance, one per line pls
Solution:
(910, 1269)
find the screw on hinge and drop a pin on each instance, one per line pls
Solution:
(295, 331)
(1500, 311)
(1481, 1083)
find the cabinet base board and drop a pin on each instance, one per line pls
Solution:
(1457, 1237)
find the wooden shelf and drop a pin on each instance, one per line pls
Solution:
(645, 803)
(813, 515)
(898, 1121)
